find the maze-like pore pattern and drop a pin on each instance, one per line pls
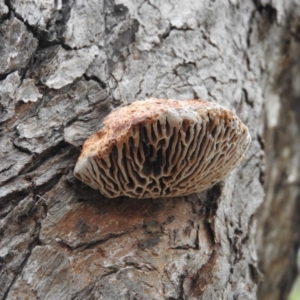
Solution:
(165, 158)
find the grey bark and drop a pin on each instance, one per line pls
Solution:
(59, 239)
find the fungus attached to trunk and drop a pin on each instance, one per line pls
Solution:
(162, 148)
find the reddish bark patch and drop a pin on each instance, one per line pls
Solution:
(204, 277)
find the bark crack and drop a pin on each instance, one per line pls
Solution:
(35, 242)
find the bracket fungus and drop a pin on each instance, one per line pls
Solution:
(162, 148)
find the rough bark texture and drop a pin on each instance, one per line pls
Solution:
(278, 235)
(59, 239)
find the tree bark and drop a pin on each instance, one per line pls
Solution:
(278, 233)
(60, 239)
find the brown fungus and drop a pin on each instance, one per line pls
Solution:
(162, 148)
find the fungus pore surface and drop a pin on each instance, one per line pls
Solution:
(162, 148)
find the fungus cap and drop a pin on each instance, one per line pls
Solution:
(162, 148)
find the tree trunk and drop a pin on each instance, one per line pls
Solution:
(278, 233)
(60, 239)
